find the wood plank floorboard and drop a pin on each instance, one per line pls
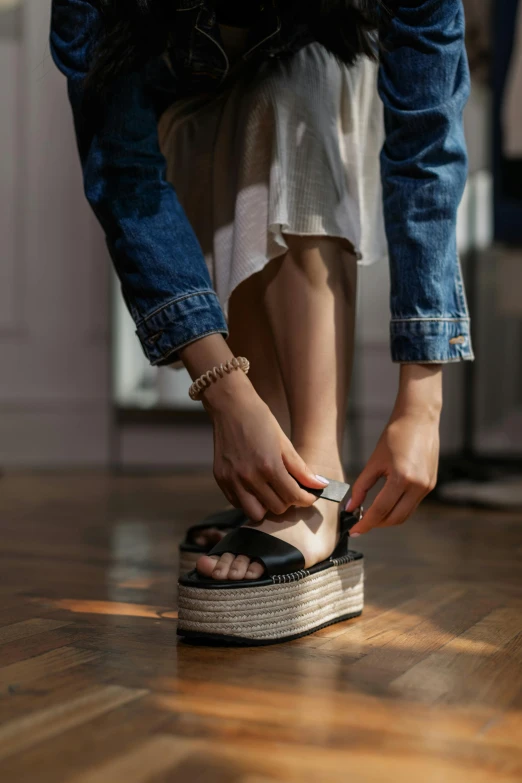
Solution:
(426, 686)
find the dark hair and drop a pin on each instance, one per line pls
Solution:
(137, 30)
(345, 27)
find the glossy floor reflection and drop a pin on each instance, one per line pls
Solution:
(95, 688)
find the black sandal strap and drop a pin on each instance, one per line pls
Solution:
(275, 555)
(222, 520)
(337, 491)
(348, 520)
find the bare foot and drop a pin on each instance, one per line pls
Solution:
(210, 536)
(314, 531)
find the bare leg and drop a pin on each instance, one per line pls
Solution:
(309, 298)
(310, 301)
(251, 336)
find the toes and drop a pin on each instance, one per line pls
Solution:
(215, 535)
(206, 564)
(254, 571)
(229, 567)
(223, 566)
(239, 567)
(209, 537)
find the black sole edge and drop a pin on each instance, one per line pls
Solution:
(222, 640)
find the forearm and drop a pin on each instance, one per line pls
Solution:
(208, 352)
(420, 390)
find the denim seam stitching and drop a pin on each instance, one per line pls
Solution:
(171, 302)
(428, 318)
(452, 360)
(182, 345)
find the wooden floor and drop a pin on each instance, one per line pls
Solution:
(95, 687)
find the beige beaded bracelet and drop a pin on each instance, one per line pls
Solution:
(204, 381)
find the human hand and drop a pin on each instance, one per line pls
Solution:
(255, 464)
(406, 455)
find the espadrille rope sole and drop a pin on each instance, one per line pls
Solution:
(188, 560)
(228, 641)
(297, 605)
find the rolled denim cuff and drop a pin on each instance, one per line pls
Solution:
(179, 322)
(430, 340)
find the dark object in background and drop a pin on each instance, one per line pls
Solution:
(474, 477)
(478, 38)
(507, 171)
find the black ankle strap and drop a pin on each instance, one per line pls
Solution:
(348, 520)
(337, 491)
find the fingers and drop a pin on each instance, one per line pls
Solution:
(257, 492)
(366, 480)
(238, 489)
(397, 500)
(416, 491)
(298, 468)
(275, 489)
(250, 504)
(265, 485)
(381, 507)
(226, 488)
(402, 510)
(289, 491)
(269, 498)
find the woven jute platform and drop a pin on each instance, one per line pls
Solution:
(277, 610)
(187, 561)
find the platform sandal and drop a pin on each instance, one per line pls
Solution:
(190, 552)
(288, 601)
